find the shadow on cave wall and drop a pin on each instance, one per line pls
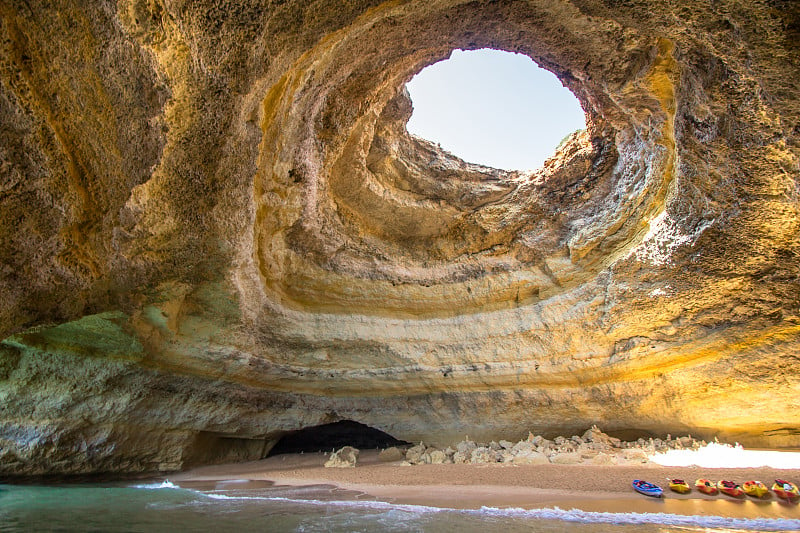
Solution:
(327, 437)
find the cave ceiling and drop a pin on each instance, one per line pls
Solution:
(215, 228)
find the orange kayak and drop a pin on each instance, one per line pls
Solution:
(705, 486)
(730, 488)
(756, 489)
(785, 489)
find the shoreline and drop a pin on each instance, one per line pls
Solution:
(592, 488)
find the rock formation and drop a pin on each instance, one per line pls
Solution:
(215, 229)
(593, 447)
(346, 457)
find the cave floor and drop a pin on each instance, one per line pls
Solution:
(473, 486)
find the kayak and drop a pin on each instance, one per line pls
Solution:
(679, 485)
(705, 486)
(756, 489)
(785, 489)
(730, 488)
(648, 489)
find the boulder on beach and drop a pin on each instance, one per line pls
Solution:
(390, 455)
(603, 459)
(635, 455)
(343, 458)
(484, 454)
(568, 458)
(530, 458)
(416, 454)
(438, 457)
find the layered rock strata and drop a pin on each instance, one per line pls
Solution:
(215, 229)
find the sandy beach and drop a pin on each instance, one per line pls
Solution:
(472, 486)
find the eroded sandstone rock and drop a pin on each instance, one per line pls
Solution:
(416, 454)
(530, 458)
(593, 447)
(390, 455)
(216, 230)
(345, 457)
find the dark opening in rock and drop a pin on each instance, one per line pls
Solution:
(326, 437)
(209, 448)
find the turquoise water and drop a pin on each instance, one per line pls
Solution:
(165, 507)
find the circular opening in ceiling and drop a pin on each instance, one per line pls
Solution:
(494, 108)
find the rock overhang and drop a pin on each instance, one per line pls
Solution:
(368, 185)
(296, 248)
(356, 220)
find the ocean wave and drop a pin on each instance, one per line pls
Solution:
(362, 504)
(554, 513)
(576, 515)
(166, 484)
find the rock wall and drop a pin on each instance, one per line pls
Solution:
(215, 229)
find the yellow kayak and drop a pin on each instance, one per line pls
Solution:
(679, 485)
(756, 489)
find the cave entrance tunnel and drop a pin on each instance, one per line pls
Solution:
(327, 437)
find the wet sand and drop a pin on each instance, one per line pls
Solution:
(472, 486)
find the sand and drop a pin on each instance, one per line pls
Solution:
(472, 486)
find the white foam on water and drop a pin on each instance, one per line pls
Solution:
(555, 513)
(166, 484)
(245, 498)
(576, 515)
(363, 504)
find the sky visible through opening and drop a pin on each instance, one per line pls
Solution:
(494, 108)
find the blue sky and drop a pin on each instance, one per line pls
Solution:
(495, 108)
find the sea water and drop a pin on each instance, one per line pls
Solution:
(163, 506)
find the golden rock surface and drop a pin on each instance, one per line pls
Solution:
(215, 229)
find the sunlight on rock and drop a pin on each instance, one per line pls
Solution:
(220, 228)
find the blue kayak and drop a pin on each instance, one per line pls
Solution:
(648, 489)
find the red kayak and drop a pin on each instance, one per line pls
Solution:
(786, 490)
(730, 488)
(705, 486)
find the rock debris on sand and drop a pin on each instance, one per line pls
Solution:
(593, 447)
